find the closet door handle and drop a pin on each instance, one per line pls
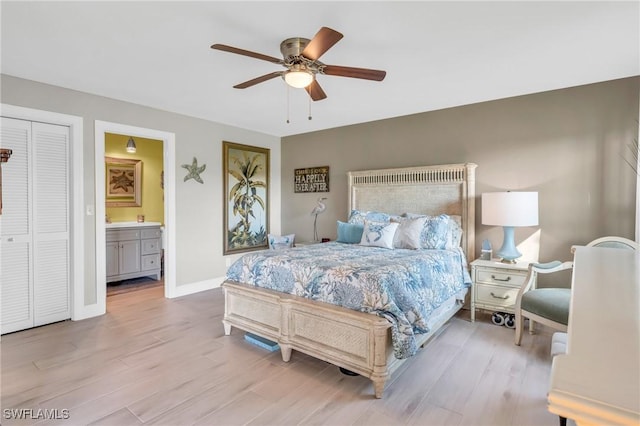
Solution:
(10, 239)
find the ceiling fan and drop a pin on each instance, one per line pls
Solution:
(300, 57)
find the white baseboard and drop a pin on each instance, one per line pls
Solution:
(183, 290)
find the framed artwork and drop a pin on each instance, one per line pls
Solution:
(124, 182)
(246, 197)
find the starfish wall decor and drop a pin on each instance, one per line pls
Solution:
(194, 171)
(123, 182)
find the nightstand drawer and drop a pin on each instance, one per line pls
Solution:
(496, 296)
(500, 277)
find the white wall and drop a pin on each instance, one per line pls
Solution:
(199, 225)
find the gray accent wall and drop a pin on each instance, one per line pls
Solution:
(566, 144)
(198, 207)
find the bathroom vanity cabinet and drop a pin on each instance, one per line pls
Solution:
(133, 250)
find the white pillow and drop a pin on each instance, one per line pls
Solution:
(277, 242)
(408, 233)
(378, 234)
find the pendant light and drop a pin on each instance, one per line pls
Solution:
(131, 145)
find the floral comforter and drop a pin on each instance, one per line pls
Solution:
(403, 286)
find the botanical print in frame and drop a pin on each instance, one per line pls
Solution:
(246, 197)
(124, 182)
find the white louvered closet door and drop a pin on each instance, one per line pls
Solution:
(50, 223)
(34, 264)
(16, 257)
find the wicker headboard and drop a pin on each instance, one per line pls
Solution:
(448, 188)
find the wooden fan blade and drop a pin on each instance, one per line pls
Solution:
(363, 73)
(315, 91)
(243, 52)
(258, 80)
(321, 42)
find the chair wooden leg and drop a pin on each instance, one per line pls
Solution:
(532, 326)
(519, 325)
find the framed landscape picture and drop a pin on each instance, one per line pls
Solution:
(246, 197)
(124, 182)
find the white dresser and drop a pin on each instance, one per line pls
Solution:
(598, 380)
(133, 250)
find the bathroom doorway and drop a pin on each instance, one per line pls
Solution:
(111, 141)
(134, 213)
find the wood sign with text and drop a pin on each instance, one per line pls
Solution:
(311, 179)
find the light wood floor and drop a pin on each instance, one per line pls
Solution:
(133, 284)
(152, 360)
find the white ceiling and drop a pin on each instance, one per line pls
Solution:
(436, 54)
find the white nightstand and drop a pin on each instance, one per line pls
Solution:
(496, 285)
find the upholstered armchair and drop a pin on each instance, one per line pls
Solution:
(550, 306)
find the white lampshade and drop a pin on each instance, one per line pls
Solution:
(510, 208)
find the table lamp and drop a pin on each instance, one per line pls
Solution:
(509, 209)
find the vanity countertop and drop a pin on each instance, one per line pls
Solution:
(131, 224)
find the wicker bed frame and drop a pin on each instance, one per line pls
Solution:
(359, 342)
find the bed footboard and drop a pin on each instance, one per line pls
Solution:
(357, 341)
(353, 340)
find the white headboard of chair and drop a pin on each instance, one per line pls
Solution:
(432, 190)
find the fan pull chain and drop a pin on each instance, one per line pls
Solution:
(288, 108)
(310, 108)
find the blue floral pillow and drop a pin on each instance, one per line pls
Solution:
(359, 217)
(454, 230)
(435, 233)
(350, 233)
(377, 234)
(277, 242)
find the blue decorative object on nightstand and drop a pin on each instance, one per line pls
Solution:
(487, 252)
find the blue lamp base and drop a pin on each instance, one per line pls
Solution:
(508, 252)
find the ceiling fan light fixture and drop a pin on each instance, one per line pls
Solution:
(298, 77)
(300, 57)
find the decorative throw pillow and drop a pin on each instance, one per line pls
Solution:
(453, 232)
(378, 234)
(277, 242)
(408, 233)
(435, 233)
(350, 233)
(359, 217)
